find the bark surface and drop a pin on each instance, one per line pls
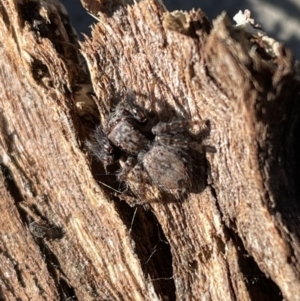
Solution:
(65, 233)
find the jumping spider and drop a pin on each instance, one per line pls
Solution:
(164, 155)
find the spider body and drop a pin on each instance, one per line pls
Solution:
(161, 154)
(166, 168)
(125, 134)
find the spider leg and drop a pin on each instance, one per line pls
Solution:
(132, 201)
(174, 127)
(180, 126)
(126, 168)
(101, 147)
(176, 134)
(183, 143)
(138, 113)
(180, 142)
(129, 109)
(135, 178)
(131, 169)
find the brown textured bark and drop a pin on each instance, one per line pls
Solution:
(66, 237)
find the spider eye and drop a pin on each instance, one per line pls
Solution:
(108, 148)
(139, 115)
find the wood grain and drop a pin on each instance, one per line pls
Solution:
(236, 240)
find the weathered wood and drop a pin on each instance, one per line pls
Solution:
(40, 76)
(236, 240)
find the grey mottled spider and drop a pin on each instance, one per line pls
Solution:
(151, 152)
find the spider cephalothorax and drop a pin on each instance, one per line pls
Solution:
(151, 152)
(124, 129)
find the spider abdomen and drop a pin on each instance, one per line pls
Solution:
(166, 168)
